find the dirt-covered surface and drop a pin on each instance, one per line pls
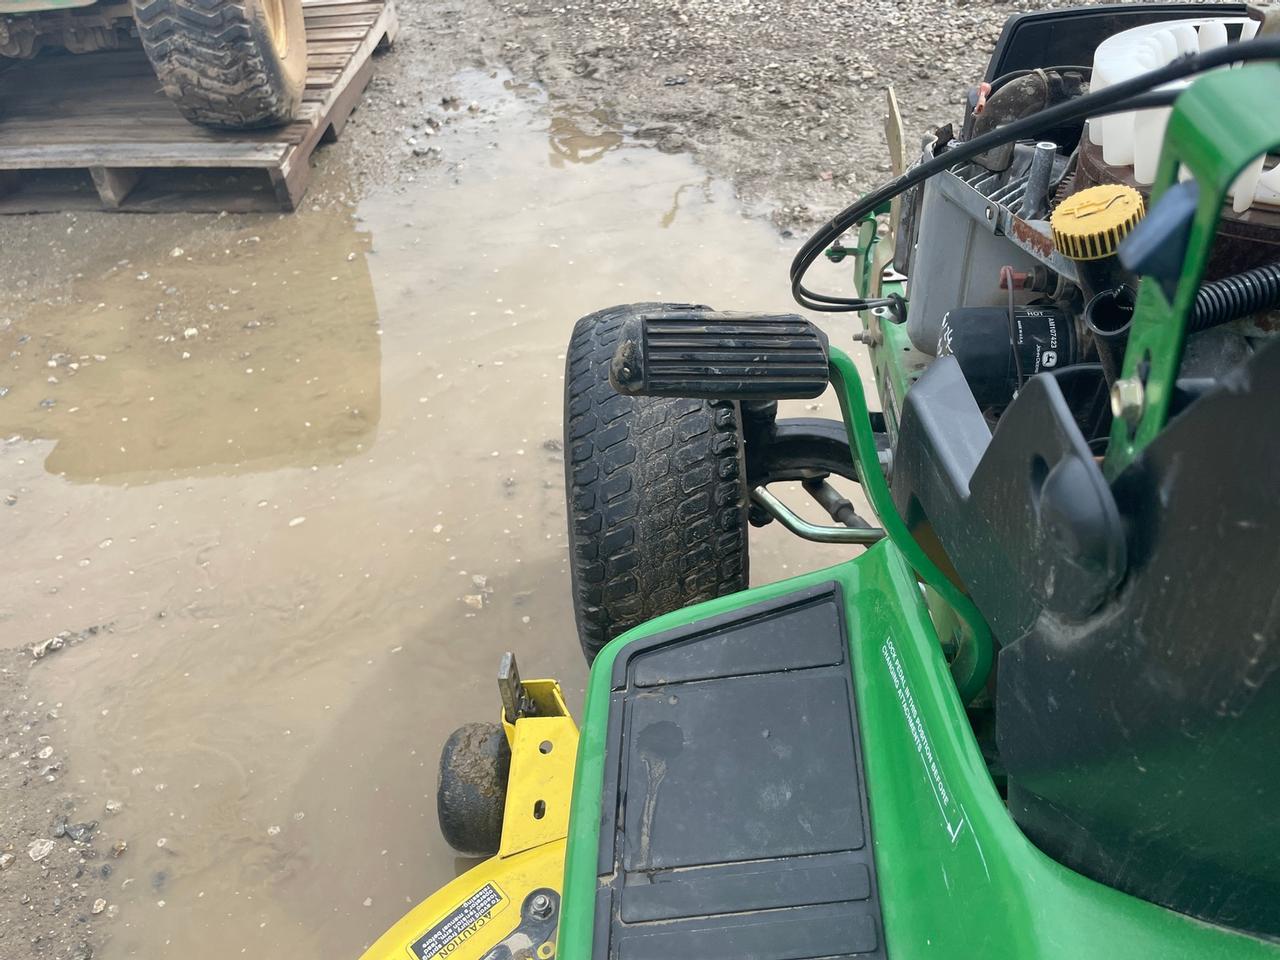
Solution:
(56, 854)
(786, 100)
(227, 505)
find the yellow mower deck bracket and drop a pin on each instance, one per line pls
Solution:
(544, 748)
(511, 899)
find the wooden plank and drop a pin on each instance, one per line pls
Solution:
(157, 192)
(327, 61)
(352, 9)
(131, 62)
(361, 58)
(318, 79)
(332, 23)
(113, 128)
(336, 13)
(347, 47)
(389, 25)
(351, 85)
(55, 156)
(289, 187)
(345, 102)
(337, 33)
(114, 183)
(300, 129)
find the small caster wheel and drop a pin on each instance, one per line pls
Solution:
(472, 790)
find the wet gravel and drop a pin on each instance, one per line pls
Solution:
(54, 875)
(785, 99)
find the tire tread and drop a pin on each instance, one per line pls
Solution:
(656, 493)
(215, 63)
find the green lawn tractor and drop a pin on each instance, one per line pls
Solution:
(1036, 714)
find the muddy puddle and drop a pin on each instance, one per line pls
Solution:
(297, 482)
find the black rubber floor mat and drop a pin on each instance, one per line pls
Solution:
(735, 811)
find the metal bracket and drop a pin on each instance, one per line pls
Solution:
(818, 533)
(516, 702)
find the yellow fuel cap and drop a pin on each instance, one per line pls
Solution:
(1089, 225)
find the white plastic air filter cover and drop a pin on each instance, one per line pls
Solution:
(1135, 137)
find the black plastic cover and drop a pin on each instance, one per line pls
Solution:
(1140, 741)
(1157, 247)
(1023, 516)
(1050, 38)
(720, 356)
(734, 813)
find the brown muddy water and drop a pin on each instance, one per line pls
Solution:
(304, 474)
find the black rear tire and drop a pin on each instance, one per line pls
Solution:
(472, 791)
(229, 64)
(656, 491)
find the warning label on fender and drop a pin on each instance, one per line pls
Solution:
(952, 812)
(463, 922)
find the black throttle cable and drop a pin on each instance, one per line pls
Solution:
(1133, 94)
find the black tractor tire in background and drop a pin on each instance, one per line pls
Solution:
(656, 492)
(472, 791)
(229, 64)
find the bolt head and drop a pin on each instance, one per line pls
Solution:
(1128, 397)
(540, 906)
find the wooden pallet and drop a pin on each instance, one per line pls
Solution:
(94, 131)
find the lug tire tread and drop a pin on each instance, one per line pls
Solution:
(656, 493)
(216, 62)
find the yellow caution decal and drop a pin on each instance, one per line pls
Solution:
(461, 923)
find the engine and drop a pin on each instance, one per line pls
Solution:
(1012, 257)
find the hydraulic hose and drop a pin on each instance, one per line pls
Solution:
(1136, 93)
(1235, 296)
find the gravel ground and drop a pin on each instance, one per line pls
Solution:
(55, 858)
(786, 99)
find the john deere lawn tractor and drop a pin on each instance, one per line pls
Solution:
(230, 64)
(1035, 714)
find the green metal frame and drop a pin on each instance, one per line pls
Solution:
(897, 364)
(972, 661)
(957, 877)
(1222, 123)
(896, 361)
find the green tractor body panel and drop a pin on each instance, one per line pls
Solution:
(11, 7)
(957, 877)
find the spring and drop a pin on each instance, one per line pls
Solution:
(1236, 296)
